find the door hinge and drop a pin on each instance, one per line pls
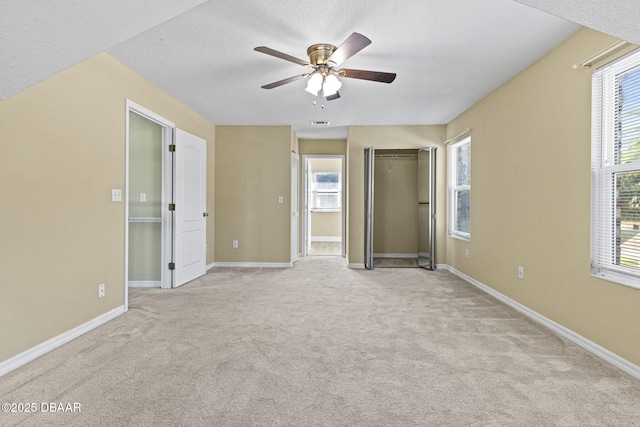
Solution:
(172, 266)
(172, 147)
(172, 206)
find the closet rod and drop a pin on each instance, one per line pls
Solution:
(395, 156)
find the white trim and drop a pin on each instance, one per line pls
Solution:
(45, 347)
(376, 255)
(458, 235)
(253, 264)
(210, 266)
(458, 137)
(326, 239)
(356, 266)
(145, 284)
(597, 350)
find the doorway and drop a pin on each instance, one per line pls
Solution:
(165, 203)
(148, 190)
(400, 208)
(323, 222)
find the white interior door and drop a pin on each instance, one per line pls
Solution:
(295, 221)
(190, 208)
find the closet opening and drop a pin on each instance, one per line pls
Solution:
(400, 208)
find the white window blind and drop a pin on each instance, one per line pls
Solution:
(615, 172)
(326, 191)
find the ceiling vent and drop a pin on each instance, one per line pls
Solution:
(319, 122)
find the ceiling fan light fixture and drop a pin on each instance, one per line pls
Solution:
(314, 84)
(331, 85)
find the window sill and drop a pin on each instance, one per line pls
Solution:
(326, 210)
(459, 237)
(618, 278)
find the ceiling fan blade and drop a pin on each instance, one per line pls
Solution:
(278, 54)
(352, 45)
(376, 76)
(283, 82)
(332, 97)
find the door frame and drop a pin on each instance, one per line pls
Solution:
(306, 210)
(295, 207)
(167, 190)
(369, 192)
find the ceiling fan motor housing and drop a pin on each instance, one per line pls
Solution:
(319, 53)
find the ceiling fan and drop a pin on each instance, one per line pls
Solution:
(323, 58)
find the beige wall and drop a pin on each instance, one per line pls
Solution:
(62, 236)
(323, 146)
(395, 226)
(326, 224)
(361, 137)
(253, 169)
(530, 199)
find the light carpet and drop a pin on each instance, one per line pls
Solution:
(325, 248)
(319, 344)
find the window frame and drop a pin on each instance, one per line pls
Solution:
(455, 188)
(605, 169)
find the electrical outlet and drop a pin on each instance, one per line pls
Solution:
(520, 272)
(101, 290)
(116, 195)
(235, 244)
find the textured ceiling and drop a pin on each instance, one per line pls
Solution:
(448, 54)
(620, 18)
(40, 38)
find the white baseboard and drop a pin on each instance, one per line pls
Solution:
(253, 264)
(599, 351)
(145, 284)
(326, 238)
(210, 266)
(55, 342)
(356, 266)
(375, 255)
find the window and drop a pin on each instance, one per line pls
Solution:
(615, 172)
(326, 191)
(460, 188)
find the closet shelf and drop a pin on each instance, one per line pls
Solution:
(145, 219)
